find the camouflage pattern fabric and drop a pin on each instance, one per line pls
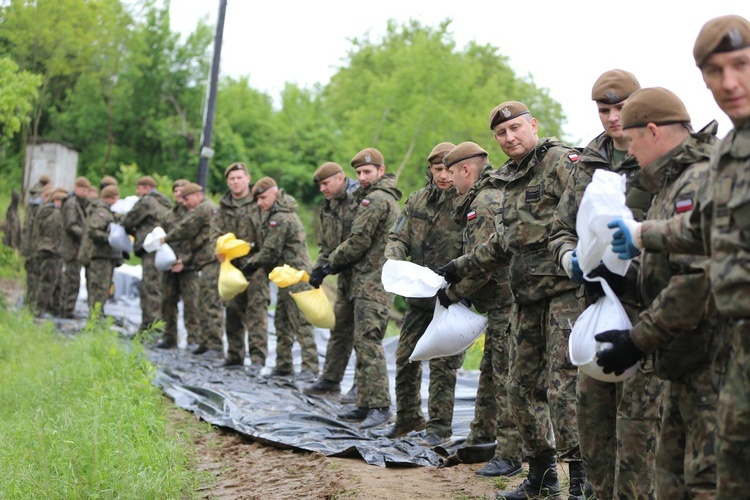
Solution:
(175, 286)
(48, 226)
(291, 325)
(209, 310)
(150, 291)
(99, 274)
(370, 372)
(74, 220)
(95, 253)
(31, 264)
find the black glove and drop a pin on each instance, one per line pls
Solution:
(594, 290)
(125, 256)
(318, 275)
(443, 298)
(248, 269)
(622, 355)
(449, 271)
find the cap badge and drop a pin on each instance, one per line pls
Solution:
(735, 38)
(368, 159)
(505, 112)
(611, 95)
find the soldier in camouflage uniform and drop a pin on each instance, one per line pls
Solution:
(718, 226)
(284, 243)
(363, 251)
(197, 230)
(674, 325)
(74, 221)
(46, 232)
(239, 214)
(545, 303)
(27, 250)
(95, 253)
(181, 281)
(149, 211)
(336, 216)
(427, 233)
(621, 419)
(490, 294)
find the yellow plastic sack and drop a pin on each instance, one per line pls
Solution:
(231, 280)
(229, 246)
(316, 307)
(286, 275)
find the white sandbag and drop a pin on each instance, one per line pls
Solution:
(124, 205)
(165, 258)
(119, 239)
(152, 241)
(410, 280)
(606, 314)
(450, 332)
(603, 201)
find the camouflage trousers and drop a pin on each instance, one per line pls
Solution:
(47, 293)
(32, 281)
(175, 286)
(621, 422)
(542, 379)
(733, 425)
(248, 312)
(371, 371)
(493, 419)
(70, 285)
(99, 281)
(442, 386)
(341, 339)
(150, 291)
(291, 325)
(685, 452)
(209, 313)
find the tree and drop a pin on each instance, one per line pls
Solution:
(18, 90)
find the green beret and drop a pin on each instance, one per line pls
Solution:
(723, 34)
(326, 170)
(44, 180)
(238, 165)
(190, 188)
(180, 183)
(507, 111)
(58, 195)
(655, 105)
(437, 155)
(614, 86)
(110, 191)
(146, 180)
(82, 182)
(368, 156)
(108, 180)
(263, 184)
(462, 152)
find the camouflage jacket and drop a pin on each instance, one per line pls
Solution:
(48, 226)
(241, 217)
(364, 250)
(181, 247)
(426, 232)
(284, 240)
(719, 224)
(196, 230)
(32, 208)
(336, 217)
(674, 286)
(477, 215)
(95, 241)
(148, 212)
(74, 221)
(531, 192)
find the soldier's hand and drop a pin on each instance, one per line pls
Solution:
(594, 290)
(622, 355)
(220, 257)
(317, 276)
(449, 271)
(571, 267)
(443, 298)
(625, 240)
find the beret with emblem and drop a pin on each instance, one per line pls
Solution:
(614, 86)
(110, 191)
(655, 105)
(326, 170)
(108, 180)
(723, 34)
(507, 111)
(263, 184)
(368, 156)
(146, 180)
(238, 165)
(462, 152)
(180, 183)
(82, 182)
(190, 188)
(437, 155)
(58, 195)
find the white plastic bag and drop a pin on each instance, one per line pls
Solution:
(124, 205)
(119, 239)
(606, 314)
(450, 332)
(152, 241)
(410, 280)
(603, 201)
(165, 258)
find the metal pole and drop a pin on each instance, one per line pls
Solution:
(208, 115)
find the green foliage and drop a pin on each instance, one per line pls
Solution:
(18, 90)
(11, 262)
(82, 418)
(474, 354)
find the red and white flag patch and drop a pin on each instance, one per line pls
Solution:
(365, 202)
(273, 223)
(471, 215)
(573, 156)
(684, 205)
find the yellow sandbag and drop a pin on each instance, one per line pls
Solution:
(231, 281)
(229, 246)
(286, 275)
(316, 307)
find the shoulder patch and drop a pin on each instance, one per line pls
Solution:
(366, 202)
(471, 215)
(273, 223)
(101, 214)
(683, 205)
(573, 156)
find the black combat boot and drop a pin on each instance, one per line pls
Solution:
(540, 483)
(579, 488)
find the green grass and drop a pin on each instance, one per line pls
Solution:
(81, 418)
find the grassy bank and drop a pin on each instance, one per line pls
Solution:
(81, 418)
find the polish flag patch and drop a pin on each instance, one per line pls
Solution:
(273, 223)
(471, 215)
(682, 206)
(365, 202)
(573, 156)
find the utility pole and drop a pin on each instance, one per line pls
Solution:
(207, 152)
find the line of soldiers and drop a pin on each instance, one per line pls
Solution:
(505, 240)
